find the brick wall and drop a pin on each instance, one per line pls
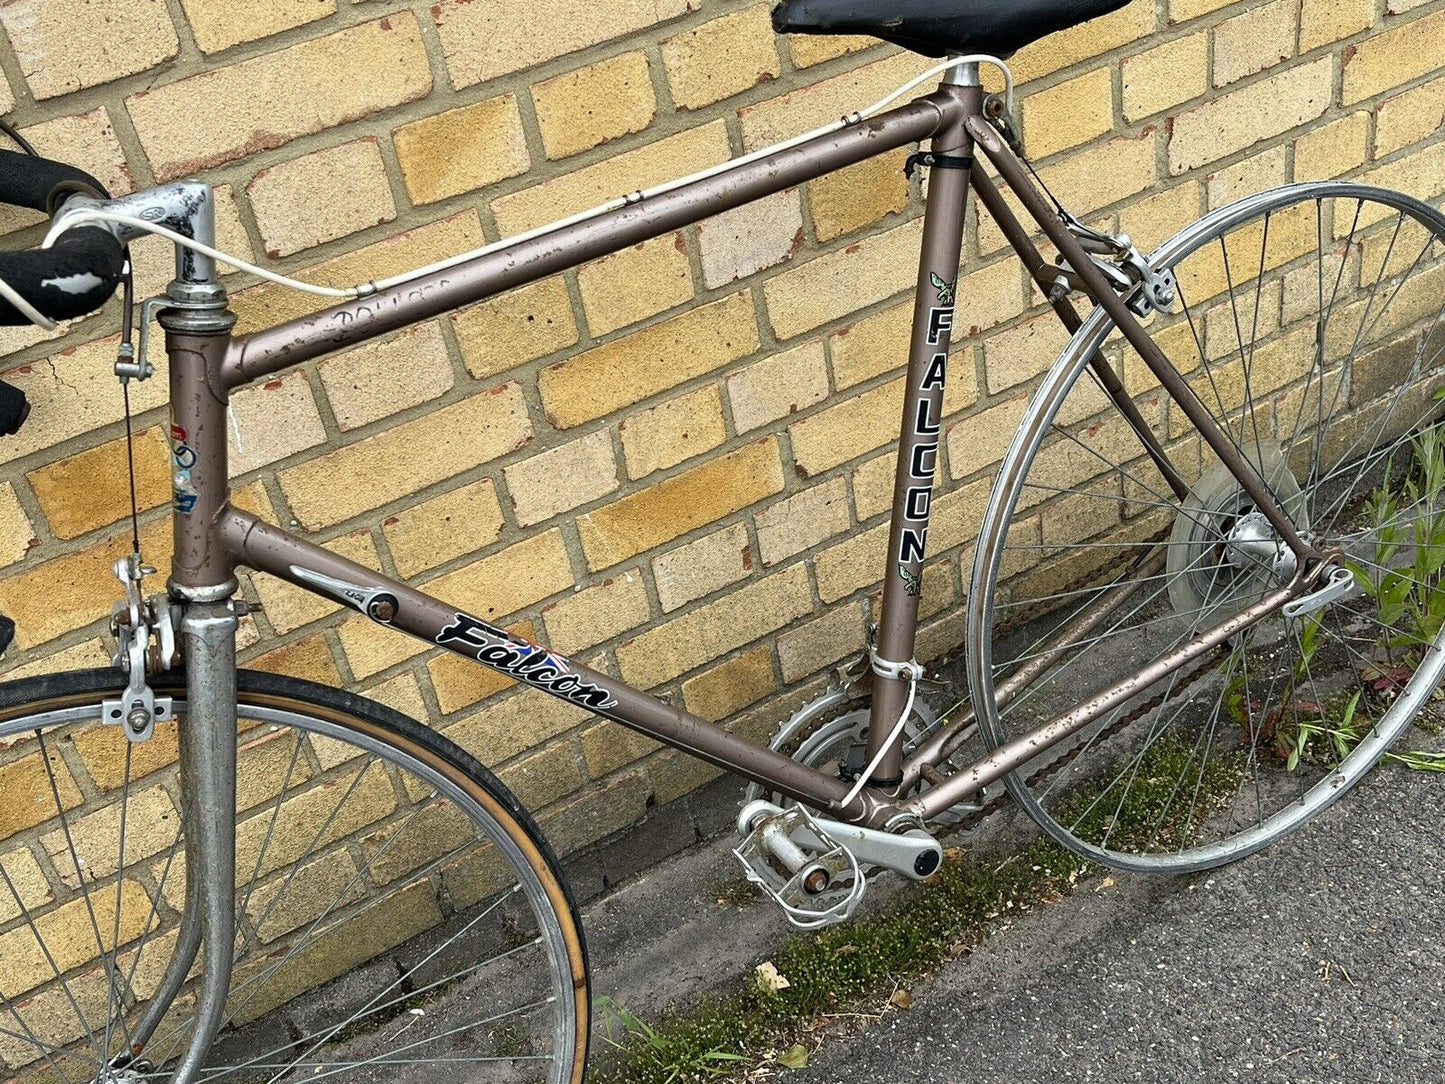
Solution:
(674, 461)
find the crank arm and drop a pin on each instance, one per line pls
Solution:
(913, 853)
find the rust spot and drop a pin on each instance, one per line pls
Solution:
(390, 521)
(27, 368)
(679, 242)
(800, 472)
(747, 560)
(798, 240)
(385, 23)
(272, 385)
(852, 249)
(1349, 53)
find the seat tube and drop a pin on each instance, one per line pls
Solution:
(933, 319)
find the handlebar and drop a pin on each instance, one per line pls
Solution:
(80, 272)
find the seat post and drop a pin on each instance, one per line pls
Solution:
(948, 163)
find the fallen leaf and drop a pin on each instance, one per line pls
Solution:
(795, 1057)
(1107, 882)
(768, 978)
(902, 998)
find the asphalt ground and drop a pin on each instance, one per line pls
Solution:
(1320, 959)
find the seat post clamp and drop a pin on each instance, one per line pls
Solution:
(930, 160)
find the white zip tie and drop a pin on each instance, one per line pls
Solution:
(94, 214)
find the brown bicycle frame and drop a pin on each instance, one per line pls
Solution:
(213, 537)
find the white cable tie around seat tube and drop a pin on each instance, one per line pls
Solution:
(894, 670)
(91, 214)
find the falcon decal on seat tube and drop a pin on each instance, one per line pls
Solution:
(926, 422)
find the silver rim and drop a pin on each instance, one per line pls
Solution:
(385, 854)
(1050, 415)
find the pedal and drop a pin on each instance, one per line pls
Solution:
(815, 880)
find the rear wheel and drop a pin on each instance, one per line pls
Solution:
(1308, 326)
(397, 910)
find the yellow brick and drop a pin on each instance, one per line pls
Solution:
(220, 24)
(1410, 117)
(371, 648)
(30, 796)
(274, 420)
(444, 527)
(92, 489)
(1023, 352)
(739, 617)
(580, 189)
(730, 686)
(873, 346)
(854, 196)
(1394, 57)
(821, 103)
(847, 429)
(279, 96)
(543, 777)
(288, 607)
(608, 747)
(702, 567)
(673, 507)
(320, 197)
(1153, 218)
(873, 485)
(1182, 10)
(515, 327)
(382, 377)
(809, 49)
(1257, 39)
(308, 659)
(67, 45)
(1069, 113)
(635, 283)
(1420, 174)
(31, 890)
(814, 645)
(385, 467)
(65, 938)
(586, 108)
(73, 392)
(462, 149)
(743, 241)
(802, 521)
(1131, 23)
(721, 58)
(1325, 21)
(460, 681)
(1100, 175)
(498, 585)
(482, 39)
(583, 620)
(979, 441)
(673, 431)
(562, 478)
(1242, 118)
(267, 304)
(834, 285)
(1264, 170)
(601, 380)
(1165, 76)
(516, 723)
(16, 533)
(1333, 150)
(599, 812)
(151, 825)
(778, 386)
(69, 592)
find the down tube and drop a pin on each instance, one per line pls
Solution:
(248, 541)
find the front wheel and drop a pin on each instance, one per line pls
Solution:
(397, 910)
(1307, 325)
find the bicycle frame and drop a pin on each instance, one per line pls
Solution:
(214, 537)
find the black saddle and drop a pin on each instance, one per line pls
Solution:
(938, 27)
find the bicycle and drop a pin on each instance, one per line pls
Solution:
(1194, 624)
